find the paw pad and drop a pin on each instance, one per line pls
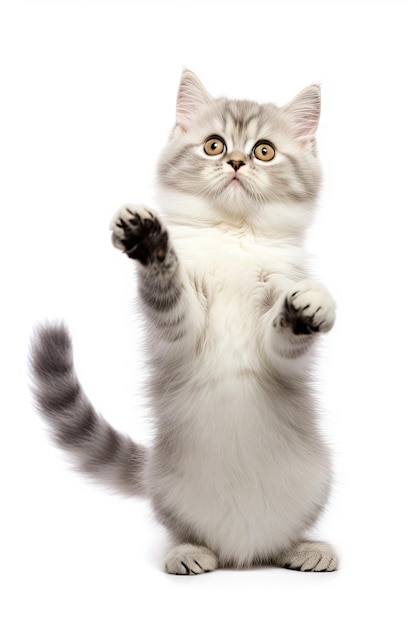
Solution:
(138, 233)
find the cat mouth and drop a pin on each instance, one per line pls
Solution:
(235, 181)
(235, 186)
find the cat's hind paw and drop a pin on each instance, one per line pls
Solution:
(139, 233)
(187, 560)
(310, 556)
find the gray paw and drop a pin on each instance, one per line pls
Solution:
(187, 559)
(311, 556)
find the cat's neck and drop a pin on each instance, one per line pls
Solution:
(271, 224)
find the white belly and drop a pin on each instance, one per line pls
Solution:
(246, 483)
(233, 460)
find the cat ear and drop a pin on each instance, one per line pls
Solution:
(304, 113)
(191, 98)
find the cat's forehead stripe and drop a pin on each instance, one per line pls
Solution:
(240, 122)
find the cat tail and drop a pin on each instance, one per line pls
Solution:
(96, 447)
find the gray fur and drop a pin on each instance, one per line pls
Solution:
(238, 470)
(97, 448)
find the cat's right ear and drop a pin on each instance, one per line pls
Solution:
(191, 98)
(304, 113)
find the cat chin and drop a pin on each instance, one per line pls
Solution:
(282, 219)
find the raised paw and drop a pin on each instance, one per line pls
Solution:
(311, 556)
(137, 232)
(308, 308)
(187, 560)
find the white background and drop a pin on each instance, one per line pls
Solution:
(87, 100)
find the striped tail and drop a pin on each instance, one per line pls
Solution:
(96, 447)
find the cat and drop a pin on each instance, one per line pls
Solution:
(238, 471)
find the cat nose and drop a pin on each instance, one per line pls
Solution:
(235, 164)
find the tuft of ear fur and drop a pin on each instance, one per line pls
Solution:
(304, 113)
(191, 98)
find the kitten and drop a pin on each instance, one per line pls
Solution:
(237, 471)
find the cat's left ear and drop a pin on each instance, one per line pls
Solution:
(191, 98)
(304, 113)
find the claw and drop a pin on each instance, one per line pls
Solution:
(150, 224)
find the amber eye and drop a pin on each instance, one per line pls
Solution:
(264, 151)
(214, 146)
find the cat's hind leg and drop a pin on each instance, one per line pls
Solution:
(188, 559)
(310, 556)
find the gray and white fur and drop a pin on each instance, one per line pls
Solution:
(237, 471)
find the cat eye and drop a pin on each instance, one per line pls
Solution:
(264, 151)
(214, 146)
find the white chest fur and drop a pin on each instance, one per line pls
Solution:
(246, 470)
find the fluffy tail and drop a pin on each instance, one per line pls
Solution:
(97, 448)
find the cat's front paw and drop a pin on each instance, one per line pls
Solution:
(139, 233)
(308, 308)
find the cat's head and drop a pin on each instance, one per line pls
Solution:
(241, 163)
